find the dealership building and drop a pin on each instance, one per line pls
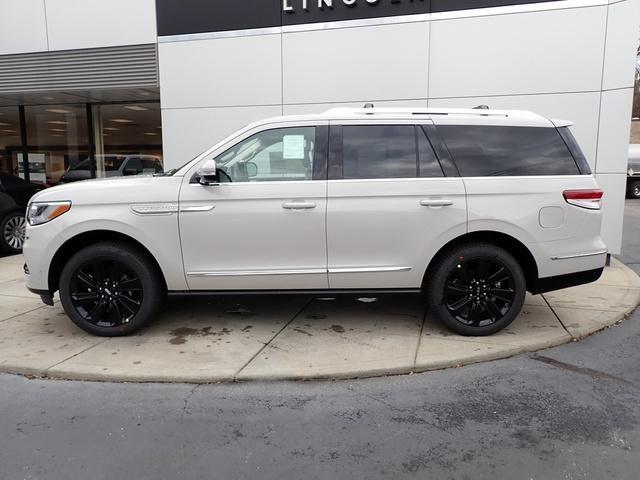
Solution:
(87, 84)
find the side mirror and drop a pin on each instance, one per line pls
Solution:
(208, 173)
(252, 169)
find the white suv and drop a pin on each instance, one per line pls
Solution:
(472, 207)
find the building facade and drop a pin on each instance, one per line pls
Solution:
(94, 87)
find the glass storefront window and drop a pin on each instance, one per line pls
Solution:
(128, 139)
(10, 140)
(57, 142)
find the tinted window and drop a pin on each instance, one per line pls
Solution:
(579, 157)
(379, 151)
(427, 160)
(481, 151)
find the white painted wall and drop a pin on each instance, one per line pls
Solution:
(41, 25)
(23, 26)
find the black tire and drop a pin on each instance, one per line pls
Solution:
(111, 289)
(12, 231)
(633, 189)
(476, 289)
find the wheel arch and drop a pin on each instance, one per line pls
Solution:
(85, 239)
(511, 244)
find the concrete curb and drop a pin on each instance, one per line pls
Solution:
(296, 339)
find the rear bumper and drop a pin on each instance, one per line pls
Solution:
(558, 282)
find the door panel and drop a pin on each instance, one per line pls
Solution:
(257, 233)
(381, 227)
(382, 232)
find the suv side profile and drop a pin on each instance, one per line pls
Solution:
(471, 207)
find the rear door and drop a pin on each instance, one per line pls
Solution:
(390, 206)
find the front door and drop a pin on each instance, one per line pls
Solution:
(263, 226)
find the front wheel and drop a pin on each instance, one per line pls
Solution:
(634, 189)
(476, 289)
(110, 289)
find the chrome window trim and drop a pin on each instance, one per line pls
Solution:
(580, 255)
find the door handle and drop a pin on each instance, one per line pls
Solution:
(436, 203)
(298, 205)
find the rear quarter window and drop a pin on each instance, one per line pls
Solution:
(484, 151)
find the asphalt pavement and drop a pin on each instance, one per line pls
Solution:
(565, 413)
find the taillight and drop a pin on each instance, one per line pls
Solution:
(584, 198)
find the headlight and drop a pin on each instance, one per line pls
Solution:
(43, 212)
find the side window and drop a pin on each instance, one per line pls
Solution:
(428, 164)
(481, 151)
(283, 154)
(379, 151)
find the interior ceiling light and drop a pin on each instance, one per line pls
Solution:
(151, 134)
(2, 124)
(136, 108)
(57, 135)
(8, 131)
(58, 110)
(111, 129)
(58, 122)
(57, 129)
(121, 120)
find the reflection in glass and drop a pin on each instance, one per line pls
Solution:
(128, 139)
(57, 141)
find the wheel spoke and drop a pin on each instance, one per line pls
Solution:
(130, 285)
(84, 278)
(493, 310)
(500, 276)
(474, 314)
(84, 298)
(504, 294)
(96, 312)
(457, 288)
(129, 303)
(459, 305)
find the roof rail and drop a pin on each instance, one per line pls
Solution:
(420, 111)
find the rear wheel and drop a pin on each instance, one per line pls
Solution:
(634, 189)
(110, 289)
(476, 289)
(12, 232)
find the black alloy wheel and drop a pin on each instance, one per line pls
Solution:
(476, 289)
(479, 292)
(106, 293)
(634, 189)
(111, 289)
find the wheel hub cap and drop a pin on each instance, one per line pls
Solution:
(14, 232)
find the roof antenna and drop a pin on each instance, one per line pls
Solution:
(481, 107)
(368, 105)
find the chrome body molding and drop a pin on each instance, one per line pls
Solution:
(252, 273)
(370, 270)
(196, 208)
(581, 255)
(297, 271)
(154, 208)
